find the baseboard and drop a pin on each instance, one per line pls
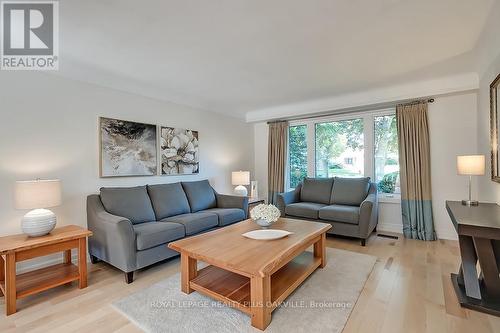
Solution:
(390, 227)
(398, 228)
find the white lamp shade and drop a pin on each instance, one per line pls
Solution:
(471, 165)
(33, 194)
(240, 177)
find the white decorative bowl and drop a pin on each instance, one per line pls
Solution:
(267, 234)
(264, 223)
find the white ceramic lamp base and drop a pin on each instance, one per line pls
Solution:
(38, 222)
(241, 190)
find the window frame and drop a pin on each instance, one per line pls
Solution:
(368, 135)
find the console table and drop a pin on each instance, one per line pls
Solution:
(21, 247)
(478, 229)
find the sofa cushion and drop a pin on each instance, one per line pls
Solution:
(304, 209)
(151, 234)
(168, 200)
(316, 190)
(350, 191)
(200, 195)
(227, 215)
(340, 213)
(132, 203)
(195, 222)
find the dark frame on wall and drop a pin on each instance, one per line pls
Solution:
(494, 117)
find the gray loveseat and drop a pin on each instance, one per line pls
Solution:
(132, 225)
(349, 204)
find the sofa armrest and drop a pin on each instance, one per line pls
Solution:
(232, 201)
(286, 198)
(368, 215)
(113, 238)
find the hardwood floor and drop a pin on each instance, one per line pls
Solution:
(409, 290)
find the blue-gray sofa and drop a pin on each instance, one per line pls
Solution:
(350, 205)
(132, 225)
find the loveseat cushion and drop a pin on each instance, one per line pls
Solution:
(151, 234)
(168, 200)
(200, 195)
(132, 203)
(340, 213)
(227, 215)
(350, 191)
(195, 222)
(304, 209)
(316, 190)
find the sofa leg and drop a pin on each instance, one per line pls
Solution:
(363, 242)
(129, 277)
(94, 259)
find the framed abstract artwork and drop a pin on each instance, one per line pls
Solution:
(179, 151)
(127, 148)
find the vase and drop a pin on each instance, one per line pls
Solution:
(264, 223)
(38, 222)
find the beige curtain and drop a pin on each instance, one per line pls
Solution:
(415, 171)
(278, 142)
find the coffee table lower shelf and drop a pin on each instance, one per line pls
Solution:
(234, 289)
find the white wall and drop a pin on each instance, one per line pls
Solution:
(488, 68)
(49, 129)
(452, 128)
(452, 122)
(489, 190)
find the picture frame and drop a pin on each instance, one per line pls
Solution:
(494, 129)
(127, 148)
(179, 151)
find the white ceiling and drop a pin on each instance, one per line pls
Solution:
(241, 56)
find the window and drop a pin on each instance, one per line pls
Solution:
(353, 145)
(339, 148)
(386, 158)
(297, 148)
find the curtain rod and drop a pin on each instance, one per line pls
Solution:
(340, 112)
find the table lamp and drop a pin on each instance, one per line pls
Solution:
(240, 178)
(38, 195)
(470, 165)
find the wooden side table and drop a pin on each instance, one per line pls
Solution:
(21, 247)
(252, 202)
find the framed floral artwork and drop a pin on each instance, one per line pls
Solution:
(179, 151)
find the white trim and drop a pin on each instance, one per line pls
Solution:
(343, 116)
(374, 98)
(385, 198)
(311, 150)
(369, 142)
(390, 227)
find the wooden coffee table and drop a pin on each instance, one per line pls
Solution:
(251, 275)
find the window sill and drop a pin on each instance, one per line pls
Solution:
(389, 198)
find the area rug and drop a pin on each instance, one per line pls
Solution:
(321, 304)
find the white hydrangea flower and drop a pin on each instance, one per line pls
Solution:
(270, 213)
